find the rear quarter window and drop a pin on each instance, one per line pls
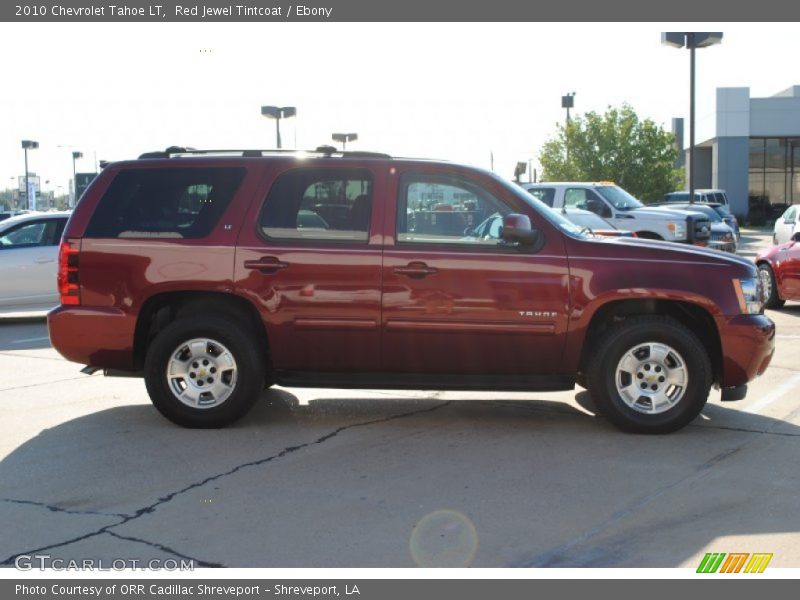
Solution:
(176, 203)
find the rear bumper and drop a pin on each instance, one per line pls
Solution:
(101, 337)
(748, 343)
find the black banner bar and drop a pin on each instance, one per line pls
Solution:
(391, 589)
(406, 11)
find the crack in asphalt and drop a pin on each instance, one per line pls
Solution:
(69, 511)
(167, 549)
(171, 496)
(557, 555)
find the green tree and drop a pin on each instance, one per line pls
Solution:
(637, 155)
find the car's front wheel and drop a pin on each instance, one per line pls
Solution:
(204, 371)
(767, 277)
(651, 375)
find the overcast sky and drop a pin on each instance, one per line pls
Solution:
(452, 91)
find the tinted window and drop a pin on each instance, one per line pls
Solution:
(445, 210)
(164, 203)
(319, 204)
(546, 195)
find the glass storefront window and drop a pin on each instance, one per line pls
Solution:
(774, 173)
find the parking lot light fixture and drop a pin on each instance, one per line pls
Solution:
(344, 138)
(691, 40)
(28, 145)
(278, 113)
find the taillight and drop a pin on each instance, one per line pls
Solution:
(68, 288)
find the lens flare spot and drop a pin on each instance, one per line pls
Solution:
(444, 538)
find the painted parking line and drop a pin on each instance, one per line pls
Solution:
(29, 340)
(783, 389)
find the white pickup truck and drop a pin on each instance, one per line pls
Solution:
(624, 211)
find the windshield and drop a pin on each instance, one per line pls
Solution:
(555, 217)
(723, 210)
(619, 198)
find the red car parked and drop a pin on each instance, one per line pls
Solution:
(779, 269)
(208, 274)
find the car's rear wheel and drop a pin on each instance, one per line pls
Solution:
(652, 375)
(767, 277)
(203, 371)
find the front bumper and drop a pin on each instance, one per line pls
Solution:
(748, 343)
(724, 246)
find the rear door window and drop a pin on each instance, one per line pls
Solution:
(319, 204)
(177, 203)
(45, 232)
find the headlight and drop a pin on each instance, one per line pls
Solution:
(678, 229)
(750, 295)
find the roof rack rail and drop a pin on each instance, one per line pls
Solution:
(326, 151)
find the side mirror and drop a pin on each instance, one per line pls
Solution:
(517, 229)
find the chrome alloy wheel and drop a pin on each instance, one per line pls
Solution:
(765, 276)
(651, 378)
(201, 373)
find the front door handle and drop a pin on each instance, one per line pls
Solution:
(415, 270)
(266, 264)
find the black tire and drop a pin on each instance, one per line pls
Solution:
(639, 331)
(773, 299)
(243, 389)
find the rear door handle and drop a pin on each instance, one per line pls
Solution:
(266, 264)
(415, 270)
(43, 260)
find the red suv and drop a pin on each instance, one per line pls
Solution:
(215, 275)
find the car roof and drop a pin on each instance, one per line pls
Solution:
(553, 183)
(32, 216)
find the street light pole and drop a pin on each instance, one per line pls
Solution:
(75, 156)
(690, 43)
(277, 113)
(691, 40)
(567, 102)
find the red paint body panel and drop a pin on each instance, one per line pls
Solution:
(382, 306)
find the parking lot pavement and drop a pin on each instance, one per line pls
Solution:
(341, 478)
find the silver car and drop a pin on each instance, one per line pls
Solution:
(29, 262)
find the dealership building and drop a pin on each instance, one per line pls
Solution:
(750, 147)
